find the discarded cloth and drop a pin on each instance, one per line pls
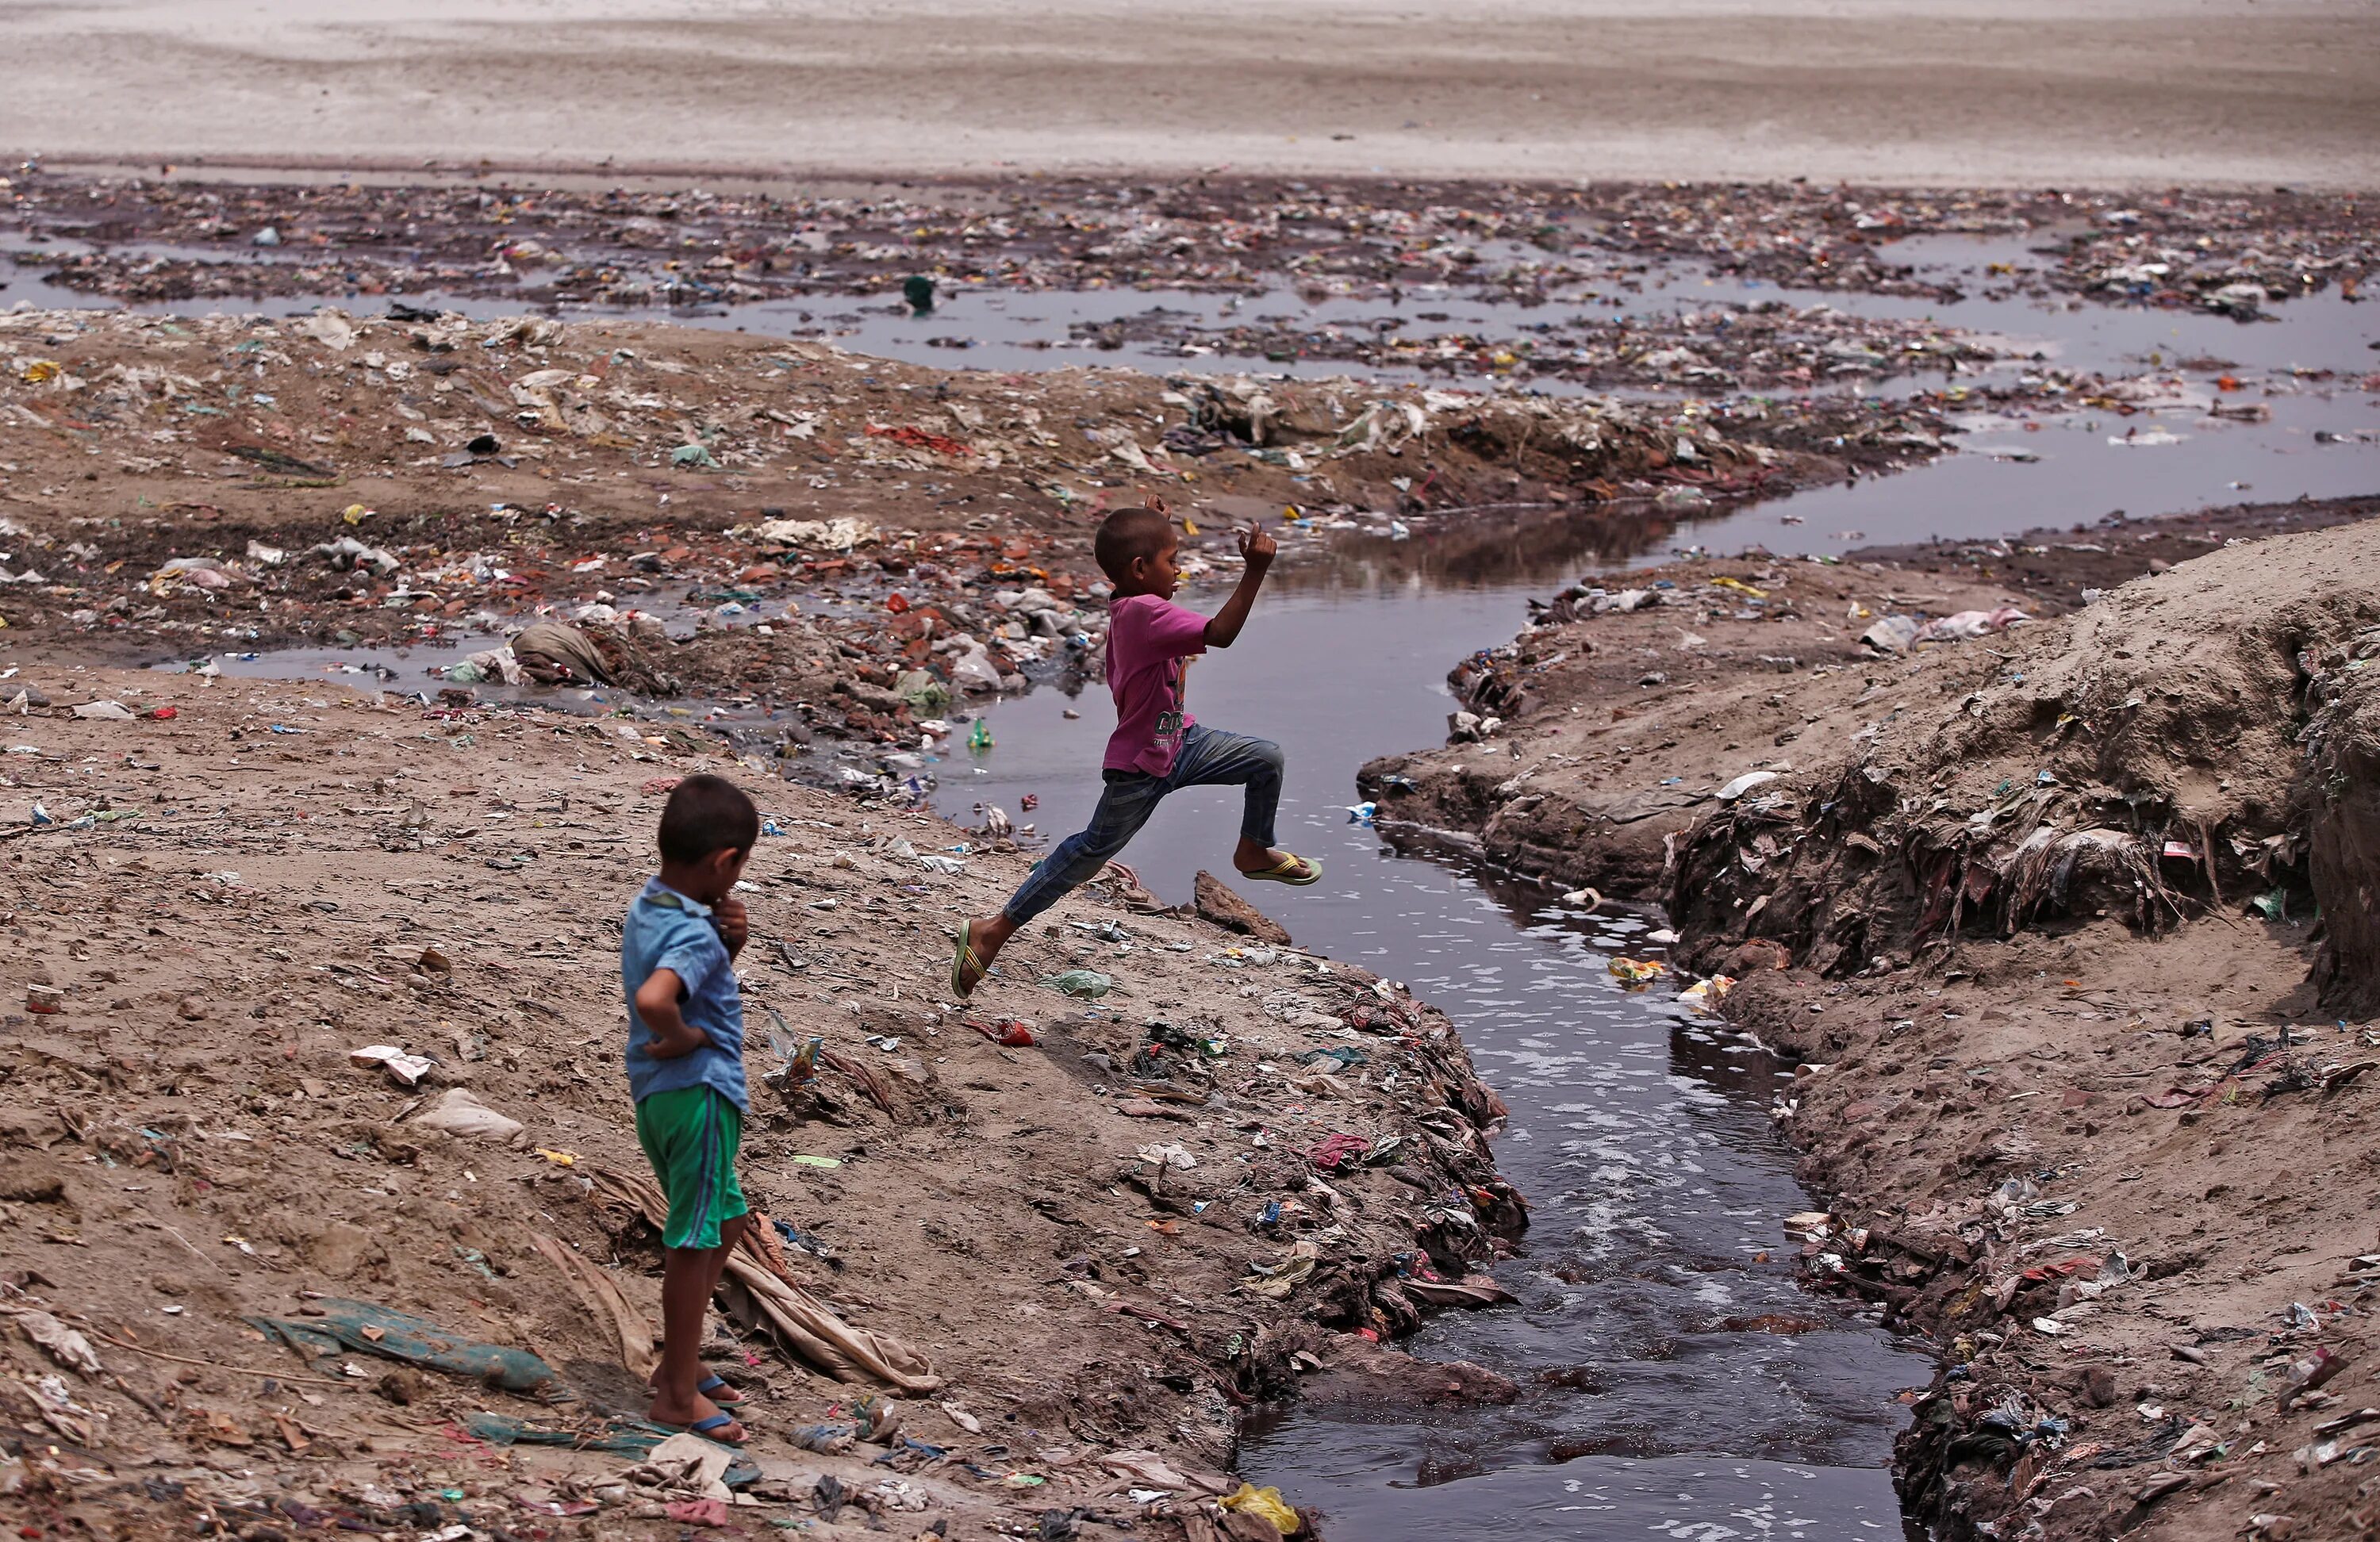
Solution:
(556, 653)
(602, 1296)
(382, 1330)
(801, 1324)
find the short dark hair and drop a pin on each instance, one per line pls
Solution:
(1125, 537)
(706, 814)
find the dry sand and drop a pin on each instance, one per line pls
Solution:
(2249, 92)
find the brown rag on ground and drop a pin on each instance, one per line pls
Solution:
(606, 1300)
(800, 1323)
(556, 652)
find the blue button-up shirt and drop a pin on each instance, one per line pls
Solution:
(665, 930)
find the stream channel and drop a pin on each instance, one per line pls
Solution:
(1675, 1380)
(1658, 1397)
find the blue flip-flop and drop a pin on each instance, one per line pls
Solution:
(707, 1428)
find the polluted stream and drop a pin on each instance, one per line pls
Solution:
(1674, 1378)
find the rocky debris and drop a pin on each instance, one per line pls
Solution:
(1217, 902)
(430, 881)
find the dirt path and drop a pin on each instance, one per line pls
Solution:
(2150, 92)
(245, 883)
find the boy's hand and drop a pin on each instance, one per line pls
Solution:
(734, 924)
(671, 1035)
(1258, 548)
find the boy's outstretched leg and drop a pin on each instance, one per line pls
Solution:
(1126, 805)
(1212, 758)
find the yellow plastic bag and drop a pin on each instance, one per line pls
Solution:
(1267, 1503)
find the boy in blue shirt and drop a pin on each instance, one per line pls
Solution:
(685, 1069)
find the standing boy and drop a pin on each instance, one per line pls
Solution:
(685, 1069)
(1157, 748)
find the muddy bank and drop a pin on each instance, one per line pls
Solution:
(1222, 1168)
(1619, 717)
(2064, 922)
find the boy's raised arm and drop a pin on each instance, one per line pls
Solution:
(1223, 626)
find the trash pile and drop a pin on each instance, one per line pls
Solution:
(635, 565)
(146, 239)
(1717, 349)
(2142, 757)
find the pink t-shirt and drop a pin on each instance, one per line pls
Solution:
(1151, 642)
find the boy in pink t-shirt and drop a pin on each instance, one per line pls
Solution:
(1156, 747)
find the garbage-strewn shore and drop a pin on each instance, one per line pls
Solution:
(803, 517)
(2065, 919)
(315, 1001)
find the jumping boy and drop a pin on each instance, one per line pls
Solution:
(1157, 748)
(685, 1069)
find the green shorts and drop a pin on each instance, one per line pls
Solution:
(690, 1137)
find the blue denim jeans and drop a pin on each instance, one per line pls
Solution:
(1210, 757)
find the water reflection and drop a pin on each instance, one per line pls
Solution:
(1532, 547)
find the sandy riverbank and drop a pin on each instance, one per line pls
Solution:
(2150, 92)
(247, 882)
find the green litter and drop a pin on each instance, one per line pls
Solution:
(1087, 984)
(922, 691)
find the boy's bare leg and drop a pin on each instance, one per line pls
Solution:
(730, 1233)
(688, 1279)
